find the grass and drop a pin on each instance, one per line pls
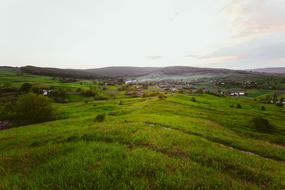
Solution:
(147, 143)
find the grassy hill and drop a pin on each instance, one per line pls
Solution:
(185, 141)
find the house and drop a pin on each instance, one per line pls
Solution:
(237, 94)
(47, 92)
(131, 81)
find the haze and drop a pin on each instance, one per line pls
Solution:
(235, 34)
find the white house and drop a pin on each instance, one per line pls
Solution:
(46, 92)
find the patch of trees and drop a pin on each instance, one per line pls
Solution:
(29, 108)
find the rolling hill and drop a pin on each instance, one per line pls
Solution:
(144, 73)
(181, 141)
(278, 70)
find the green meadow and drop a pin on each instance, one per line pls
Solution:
(144, 142)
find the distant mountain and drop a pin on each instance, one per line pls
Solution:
(278, 70)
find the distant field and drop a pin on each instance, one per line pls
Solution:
(145, 143)
(15, 79)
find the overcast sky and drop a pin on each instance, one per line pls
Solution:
(237, 34)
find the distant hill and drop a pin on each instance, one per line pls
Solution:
(279, 70)
(143, 73)
(123, 71)
(158, 73)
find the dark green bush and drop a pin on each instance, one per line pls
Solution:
(193, 99)
(238, 106)
(261, 125)
(100, 117)
(263, 108)
(26, 87)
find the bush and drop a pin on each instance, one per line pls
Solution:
(100, 117)
(89, 93)
(32, 108)
(98, 97)
(193, 99)
(161, 96)
(26, 87)
(121, 102)
(238, 106)
(263, 108)
(262, 125)
(58, 95)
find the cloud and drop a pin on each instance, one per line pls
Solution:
(251, 19)
(263, 52)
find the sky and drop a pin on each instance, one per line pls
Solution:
(235, 34)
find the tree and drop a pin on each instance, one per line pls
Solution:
(32, 108)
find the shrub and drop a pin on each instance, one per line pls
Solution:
(98, 97)
(261, 125)
(100, 117)
(238, 106)
(89, 93)
(150, 94)
(263, 108)
(193, 99)
(121, 102)
(58, 95)
(26, 87)
(161, 96)
(32, 108)
(280, 103)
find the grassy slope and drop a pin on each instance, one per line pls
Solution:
(147, 143)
